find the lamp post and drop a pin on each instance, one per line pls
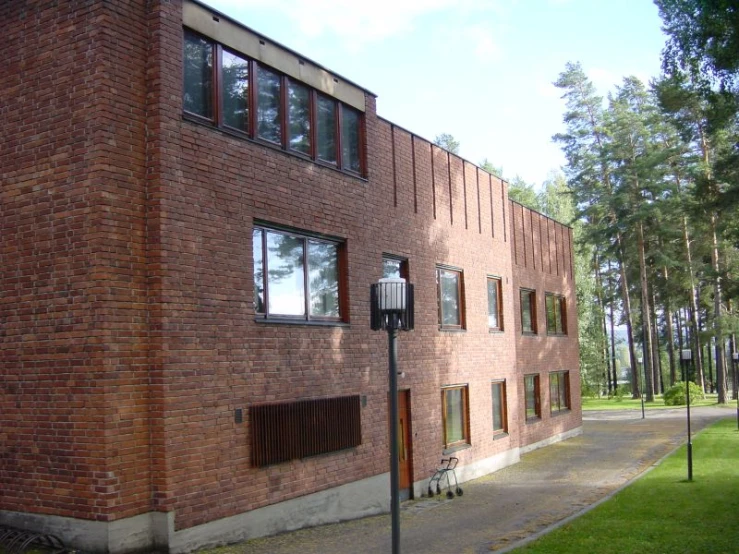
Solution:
(686, 356)
(640, 361)
(735, 357)
(391, 303)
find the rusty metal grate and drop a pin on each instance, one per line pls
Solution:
(293, 430)
(17, 541)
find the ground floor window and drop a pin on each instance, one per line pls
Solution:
(455, 415)
(533, 404)
(500, 416)
(559, 391)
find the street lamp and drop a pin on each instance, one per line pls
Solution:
(640, 361)
(735, 357)
(686, 356)
(391, 304)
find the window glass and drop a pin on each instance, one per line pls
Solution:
(531, 386)
(396, 268)
(197, 95)
(555, 314)
(258, 271)
(323, 273)
(499, 407)
(494, 316)
(235, 91)
(449, 297)
(298, 105)
(268, 105)
(286, 277)
(326, 128)
(528, 321)
(350, 154)
(455, 415)
(559, 391)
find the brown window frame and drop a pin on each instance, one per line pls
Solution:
(499, 299)
(460, 294)
(559, 306)
(532, 311)
(465, 440)
(503, 406)
(306, 237)
(252, 107)
(562, 381)
(537, 397)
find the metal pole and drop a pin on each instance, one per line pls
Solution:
(392, 335)
(641, 389)
(690, 444)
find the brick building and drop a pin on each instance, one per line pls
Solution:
(191, 217)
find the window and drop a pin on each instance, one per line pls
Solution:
(556, 314)
(396, 268)
(197, 95)
(531, 391)
(500, 416)
(559, 391)
(296, 276)
(455, 416)
(528, 311)
(450, 298)
(495, 304)
(234, 92)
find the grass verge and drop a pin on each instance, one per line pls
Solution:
(663, 512)
(635, 404)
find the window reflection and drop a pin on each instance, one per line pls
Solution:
(268, 105)
(235, 91)
(326, 127)
(286, 277)
(198, 68)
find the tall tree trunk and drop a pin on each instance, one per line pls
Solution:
(604, 343)
(659, 385)
(668, 331)
(612, 319)
(694, 326)
(627, 316)
(717, 319)
(646, 319)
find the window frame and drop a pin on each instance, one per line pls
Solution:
(306, 238)
(465, 440)
(252, 131)
(532, 310)
(562, 381)
(503, 430)
(559, 307)
(499, 301)
(537, 397)
(461, 326)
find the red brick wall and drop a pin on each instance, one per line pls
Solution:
(543, 254)
(128, 328)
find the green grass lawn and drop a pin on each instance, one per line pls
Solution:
(663, 513)
(631, 404)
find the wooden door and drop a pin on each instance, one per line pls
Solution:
(405, 444)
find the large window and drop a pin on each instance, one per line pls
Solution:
(242, 95)
(296, 276)
(500, 416)
(532, 397)
(528, 311)
(495, 304)
(559, 391)
(556, 314)
(455, 416)
(450, 293)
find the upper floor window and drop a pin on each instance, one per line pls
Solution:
(240, 94)
(559, 391)
(495, 304)
(528, 311)
(394, 267)
(556, 314)
(296, 276)
(449, 288)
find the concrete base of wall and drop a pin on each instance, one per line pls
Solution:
(157, 530)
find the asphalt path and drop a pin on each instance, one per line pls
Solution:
(510, 507)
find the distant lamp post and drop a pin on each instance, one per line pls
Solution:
(391, 303)
(735, 357)
(686, 356)
(640, 362)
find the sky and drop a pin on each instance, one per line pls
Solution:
(481, 70)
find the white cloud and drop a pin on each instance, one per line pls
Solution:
(603, 80)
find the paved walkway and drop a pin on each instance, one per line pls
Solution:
(499, 511)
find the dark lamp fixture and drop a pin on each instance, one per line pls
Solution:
(640, 360)
(686, 354)
(391, 302)
(735, 355)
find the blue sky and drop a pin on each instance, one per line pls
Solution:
(478, 69)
